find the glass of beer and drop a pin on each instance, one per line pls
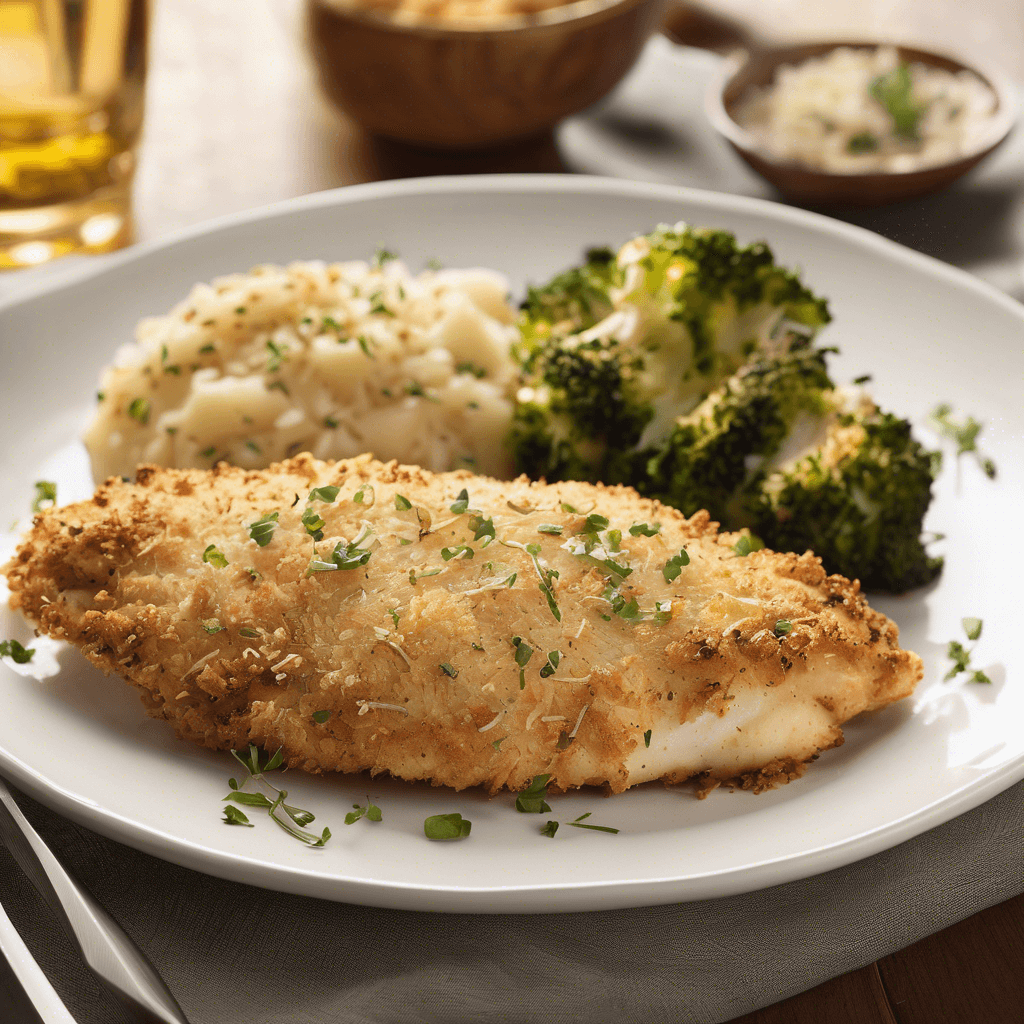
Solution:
(72, 75)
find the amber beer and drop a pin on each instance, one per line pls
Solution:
(71, 99)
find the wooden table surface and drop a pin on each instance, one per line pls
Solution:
(233, 122)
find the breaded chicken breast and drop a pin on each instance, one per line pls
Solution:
(450, 627)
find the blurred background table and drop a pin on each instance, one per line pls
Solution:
(233, 122)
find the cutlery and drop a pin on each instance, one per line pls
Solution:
(108, 951)
(25, 994)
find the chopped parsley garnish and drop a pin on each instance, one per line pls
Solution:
(864, 142)
(377, 305)
(462, 551)
(292, 819)
(415, 389)
(446, 826)
(783, 627)
(553, 528)
(402, 503)
(972, 627)
(330, 422)
(139, 410)
(327, 495)
(320, 717)
(365, 492)
(550, 829)
(461, 503)
(345, 556)
(549, 668)
(894, 90)
(314, 523)
(208, 453)
(964, 434)
(414, 575)
(644, 529)
(207, 349)
(747, 543)
(647, 738)
(475, 369)
(864, 378)
(482, 527)
(674, 566)
(249, 633)
(262, 531)
(370, 811)
(18, 654)
(233, 816)
(524, 652)
(278, 385)
(211, 626)
(382, 256)
(101, 396)
(278, 353)
(531, 800)
(393, 612)
(240, 310)
(254, 575)
(594, 828)
(446, 668)
(365, 346)
(46, 494)
(253, 447)
(214, 557)
(960, 656)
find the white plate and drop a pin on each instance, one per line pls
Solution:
(928, 333)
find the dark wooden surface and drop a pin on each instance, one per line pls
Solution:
(973, 971)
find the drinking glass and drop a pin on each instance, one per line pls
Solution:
(72, 74)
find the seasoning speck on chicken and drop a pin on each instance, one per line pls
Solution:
(471, 612)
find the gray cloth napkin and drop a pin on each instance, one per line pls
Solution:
(232, 953)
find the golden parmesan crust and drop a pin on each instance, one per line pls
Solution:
(416, 668)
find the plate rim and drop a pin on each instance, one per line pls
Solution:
(574, 896)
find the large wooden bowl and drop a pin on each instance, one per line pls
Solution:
(450, 87)
(815, 187)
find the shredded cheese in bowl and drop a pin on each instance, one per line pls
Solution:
(335, 359)
(858, 110)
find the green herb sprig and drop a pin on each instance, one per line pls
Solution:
(370, 811)
(895, 91)
(531, 800)
(262, 531)
(18, 654)
(747, 543)
(46, 495)
(960, 655)
(446, 826)
(964, 434)
(292, 819)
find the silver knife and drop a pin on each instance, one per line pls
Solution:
(112, 956)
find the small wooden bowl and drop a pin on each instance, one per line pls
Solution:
(813, 187)
(464, 88)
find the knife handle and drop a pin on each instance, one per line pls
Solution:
(105, 947)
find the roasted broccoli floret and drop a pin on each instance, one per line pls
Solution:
(716, 450)
(615, 350)
(579, 296)
(686, 368)
(857, 499)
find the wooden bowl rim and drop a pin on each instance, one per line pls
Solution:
(577, 11)
(717, 104)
